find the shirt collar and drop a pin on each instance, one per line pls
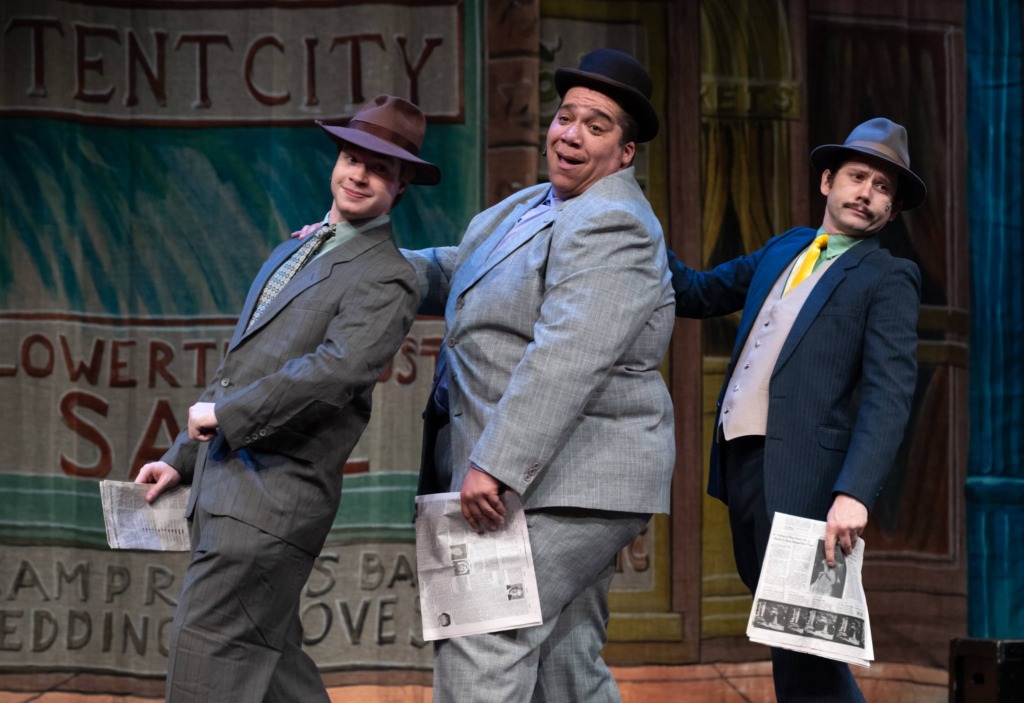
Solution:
(837, 244)
(345, 229)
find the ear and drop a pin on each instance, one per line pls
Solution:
(628, 152)
(896, 208)
(826, 187)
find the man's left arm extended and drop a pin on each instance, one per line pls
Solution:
(434, 269)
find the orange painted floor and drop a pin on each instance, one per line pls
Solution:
(701, 683)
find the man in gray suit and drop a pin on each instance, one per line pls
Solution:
(268, 439)
(558, 310)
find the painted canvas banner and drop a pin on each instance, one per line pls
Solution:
(152, 155)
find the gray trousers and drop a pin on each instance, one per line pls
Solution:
(574, 555)
(236, 634)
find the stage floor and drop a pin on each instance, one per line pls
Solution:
(701, 683)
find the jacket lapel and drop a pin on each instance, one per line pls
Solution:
(823, 290)
(311, 274)
(481, 261)
(272, 264)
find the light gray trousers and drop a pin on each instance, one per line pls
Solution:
(574, 555)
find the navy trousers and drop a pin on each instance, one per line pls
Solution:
(798, 677)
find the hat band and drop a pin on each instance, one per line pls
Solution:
(385, 134)
(881, 148)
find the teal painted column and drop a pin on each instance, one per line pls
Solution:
(995, 483)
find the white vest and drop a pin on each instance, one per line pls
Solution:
(745, 403)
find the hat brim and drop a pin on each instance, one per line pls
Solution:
(427, 174)
(912, 190)
(629, 98)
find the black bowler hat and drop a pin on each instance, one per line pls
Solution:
(619, 76)
(393, 127)
(885, 140)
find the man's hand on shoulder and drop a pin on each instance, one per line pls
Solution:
(161, 474)
(307, 230)
(481, 501)
(846, 521)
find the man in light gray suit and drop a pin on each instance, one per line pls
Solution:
(267, 441)
(558, 308)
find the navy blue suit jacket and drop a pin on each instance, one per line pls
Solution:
(840, 393)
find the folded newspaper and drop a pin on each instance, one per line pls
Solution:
(132, 523)
(472, 583)
(804, 605)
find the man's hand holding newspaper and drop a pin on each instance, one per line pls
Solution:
(473, 582)
(134, 523)
(805, 605)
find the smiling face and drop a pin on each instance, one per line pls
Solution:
(584, 142)
(860, 197)
(364, 184)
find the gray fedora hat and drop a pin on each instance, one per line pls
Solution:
(883, 139)
(393, 127)
(619, 76)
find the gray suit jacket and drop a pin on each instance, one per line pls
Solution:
(293, 393)
(553, 346)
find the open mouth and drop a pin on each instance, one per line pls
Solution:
(568, 161)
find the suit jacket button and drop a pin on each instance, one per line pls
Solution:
(263, 433)
(225, 382)
(451, 341)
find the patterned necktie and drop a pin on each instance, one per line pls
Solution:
(286, 271)
(807, 265)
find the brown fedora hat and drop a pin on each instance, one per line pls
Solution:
(393, 127)
(619, 76)
(883, 139)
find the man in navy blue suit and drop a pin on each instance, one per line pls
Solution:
(819, 386)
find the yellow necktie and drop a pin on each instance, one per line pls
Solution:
(807, 265)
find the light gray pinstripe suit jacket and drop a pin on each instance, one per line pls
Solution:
(293, 393)
(553, 347)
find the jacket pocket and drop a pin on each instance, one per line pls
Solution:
(842, 311)
(835, 438)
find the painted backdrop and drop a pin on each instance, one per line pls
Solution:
(152, 155)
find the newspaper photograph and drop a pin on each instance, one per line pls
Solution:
(132, 523)
(804, 605)
(472, 583)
